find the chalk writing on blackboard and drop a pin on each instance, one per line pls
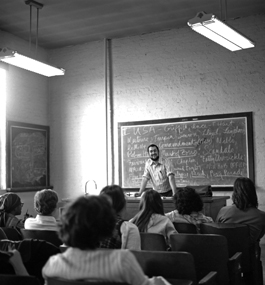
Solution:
(211, 151)
(28, 155)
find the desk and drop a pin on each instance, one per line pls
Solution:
(211, 206)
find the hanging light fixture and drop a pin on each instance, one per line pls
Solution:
(19, 60)
(209, 26)
(13, 57)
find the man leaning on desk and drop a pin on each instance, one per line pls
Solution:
(160, 171)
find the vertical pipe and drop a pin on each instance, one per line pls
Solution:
(30, 21)
(225, 10)
(37, 31)
(106, 105)
(221, 10)
(111, 117)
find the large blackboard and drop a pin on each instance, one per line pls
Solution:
(211, 150)
(27, 156)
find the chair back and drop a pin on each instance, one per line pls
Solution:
(185, 228)
(237, 236)
(210, 253)
(153, 241)
(63, 248)
(50, 236)
(61, 281)
(10, 233)
(7, 279)
(170, 265)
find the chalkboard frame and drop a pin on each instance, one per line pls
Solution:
(249, 130)
(14, 128)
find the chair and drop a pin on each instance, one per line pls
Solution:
(186, 228)
(63, 248)
(50, 236)
(153, 241)
(18, 280)
(171, 265)
(210, 253)
(237, 236)
(10, 233)
(61, 281)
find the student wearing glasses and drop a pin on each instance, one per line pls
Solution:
(10, 207)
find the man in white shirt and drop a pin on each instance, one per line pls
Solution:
(161, 173)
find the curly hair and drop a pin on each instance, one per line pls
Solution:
(45, 201)
(187, 200)
(117, 196)
(244, 193)
(150, 203)
(86, 222)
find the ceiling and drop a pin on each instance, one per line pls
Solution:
(70, 22)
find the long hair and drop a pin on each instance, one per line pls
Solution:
(150, 203)
(187, 200)
(244, 194)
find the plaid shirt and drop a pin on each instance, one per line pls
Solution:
(114, 242)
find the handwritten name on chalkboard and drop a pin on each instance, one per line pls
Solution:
(211, 150)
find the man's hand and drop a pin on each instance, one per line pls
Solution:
(137, 194)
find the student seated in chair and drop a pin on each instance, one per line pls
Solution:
(189, 205)
(10, 207)
(244, 209)
(84, 224)
(125, 235)
(151, 218)
(45, 203)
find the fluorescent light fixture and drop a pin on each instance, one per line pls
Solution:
(210, 27)
(19, 60)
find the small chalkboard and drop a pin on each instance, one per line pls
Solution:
(206, 150)
(27, 156)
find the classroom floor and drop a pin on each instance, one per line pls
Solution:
(263, 260)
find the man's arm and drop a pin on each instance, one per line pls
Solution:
(142, 188)
(172, 183)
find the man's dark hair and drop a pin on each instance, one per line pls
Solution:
(116, 194)
(152, 145)
(244, 193)
(187, 200)
(86, 222)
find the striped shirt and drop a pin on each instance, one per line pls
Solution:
(102, 265)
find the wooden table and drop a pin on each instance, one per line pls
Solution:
(212, 205)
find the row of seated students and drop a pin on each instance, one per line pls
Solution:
(94, 222)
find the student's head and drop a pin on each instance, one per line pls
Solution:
(153, 151)
(187, 200)
(11, 203)
(117, 196)
(244, 193)
(86, 222)
(151, 202)
(45, 202)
